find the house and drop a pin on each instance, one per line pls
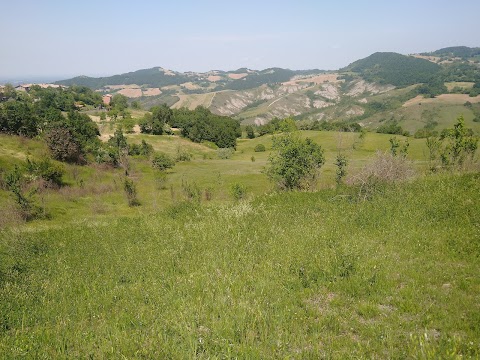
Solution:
(107, 99)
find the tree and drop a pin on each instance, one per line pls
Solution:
(250, 132)
(154, 123)
(119, 102)
(295, 162)
(459, 143)
(63, 145)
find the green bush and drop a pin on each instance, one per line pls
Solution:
(46, 170)
(238, 191)
(295, 163)
(259, 148)
(162, 161)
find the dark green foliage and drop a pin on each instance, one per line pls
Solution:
(259, 148)
(432, 88)
(154, 77)
(250, 132)
(277, 125)
(295, 162)
(333, 126)
(201, 125)
(119, 102)
(395, 69)
(456, 51)
(162, 161)
(424, 133)
(143, 149)
(154, 123)
(18, 117)
(63, 145)
(392, 127)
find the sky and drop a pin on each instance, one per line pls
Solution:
(65, 38)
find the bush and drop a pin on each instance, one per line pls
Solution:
(25, 202)
(162, 161)
(238, 191)
(225, 153)
(183, 155)
(47, 170)
(131, 191)
(63, 145)
(385, 168)
(295, 163)
(259, 148)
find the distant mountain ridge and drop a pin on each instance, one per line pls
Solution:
(160, 77)
(376, 84)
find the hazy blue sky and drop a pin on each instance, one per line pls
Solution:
(63, 38)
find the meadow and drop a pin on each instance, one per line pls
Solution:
(329, 273)
(292, 275)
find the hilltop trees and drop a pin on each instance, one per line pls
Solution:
(201, 125)
(154, 123)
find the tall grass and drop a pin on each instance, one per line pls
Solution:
(296, 275)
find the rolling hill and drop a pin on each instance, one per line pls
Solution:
(353, 93)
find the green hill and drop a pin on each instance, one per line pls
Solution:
(395, 69)
(456, 51)
(154, 77)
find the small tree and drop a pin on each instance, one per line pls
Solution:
(250, 132)
(295, 163)
(131, 192)
(459, 143)
(63, 145)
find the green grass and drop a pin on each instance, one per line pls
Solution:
(97, 192)
(292, 275)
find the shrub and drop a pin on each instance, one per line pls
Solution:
(341, 163)
(131, 191)
(238, 191)
(63, 145)
(259, 148)
(385, 168)
(14, 181)
(162, 161)
(295, 163)
(458, 144)
(143, 149)
(183, 155)
(191, 191)
(225, 153)
(47, 170)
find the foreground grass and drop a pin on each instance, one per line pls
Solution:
(295, 275)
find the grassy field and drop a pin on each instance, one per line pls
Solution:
(293, 275)
(97, 192)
